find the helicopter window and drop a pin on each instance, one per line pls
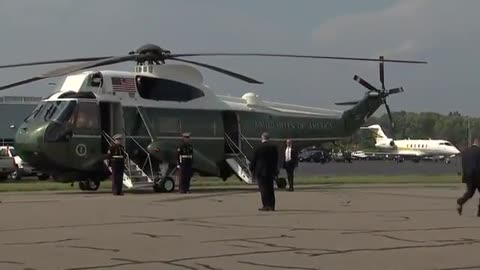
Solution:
(71, 94)
(35, 112)
(65, 111)
(50, 110)
(96, 80)
(168, 90)
(87, 117)
(167, 125)
(59, 111)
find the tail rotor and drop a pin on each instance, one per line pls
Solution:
(383, 92)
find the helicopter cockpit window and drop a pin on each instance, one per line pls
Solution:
(59, 111)
(37, 111)
(87, 118)
(166, 90)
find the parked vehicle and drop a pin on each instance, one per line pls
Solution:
(7, 166)
(20, 167)
(318, 156)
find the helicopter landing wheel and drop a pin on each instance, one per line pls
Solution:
(91, 185)
(82, 185)
(166, 184)
(281, 182)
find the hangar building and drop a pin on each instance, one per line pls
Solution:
(13, 110)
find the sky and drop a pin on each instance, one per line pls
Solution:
(445, 33)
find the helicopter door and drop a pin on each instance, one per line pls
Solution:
(111, 121)
(231, 127)
(86, 131)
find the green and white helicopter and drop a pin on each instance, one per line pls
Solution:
(69, 132)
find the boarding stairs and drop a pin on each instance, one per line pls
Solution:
(238, 161)
(134, 176)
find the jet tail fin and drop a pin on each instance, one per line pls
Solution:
(377, 132)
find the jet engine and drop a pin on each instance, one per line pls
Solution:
(386, 144)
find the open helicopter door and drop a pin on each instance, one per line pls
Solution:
(112, 123)
(235, 158)
(231, 125)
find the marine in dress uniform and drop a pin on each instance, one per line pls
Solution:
(184, 163)
(290, 162)
(264, 168)
(116, 156)
(470, 174)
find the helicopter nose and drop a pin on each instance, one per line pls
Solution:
(28, 144)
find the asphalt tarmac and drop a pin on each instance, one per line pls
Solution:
(326, 227)
(379, 167)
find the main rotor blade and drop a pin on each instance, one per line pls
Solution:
(73, 68)
(347, 103)
(221, 70)
(365, 83)
(299, 56)
(56, 61)
(389, 113)
(21, 82)
(382, 75)
(395, 90)
(77, 67)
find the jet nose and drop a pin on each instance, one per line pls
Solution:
(456, 151)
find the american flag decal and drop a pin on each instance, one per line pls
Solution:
(123, 84)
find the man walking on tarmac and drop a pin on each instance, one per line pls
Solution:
(290, 162)
(116, 156)
(184, 163)
(470, 174)
(264, 168)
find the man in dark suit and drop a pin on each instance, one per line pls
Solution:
(264, 168)
(470, 174)
(290, 162)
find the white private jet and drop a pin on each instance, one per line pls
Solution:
(415, 149)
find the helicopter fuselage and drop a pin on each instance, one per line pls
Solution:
(67, 134)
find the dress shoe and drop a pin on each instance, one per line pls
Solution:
(459, 209)
(290, 189)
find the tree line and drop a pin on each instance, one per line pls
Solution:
(453, 127)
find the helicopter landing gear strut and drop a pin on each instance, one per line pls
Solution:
(164, 182)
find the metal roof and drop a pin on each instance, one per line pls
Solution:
(13, 110)
(19, 100)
